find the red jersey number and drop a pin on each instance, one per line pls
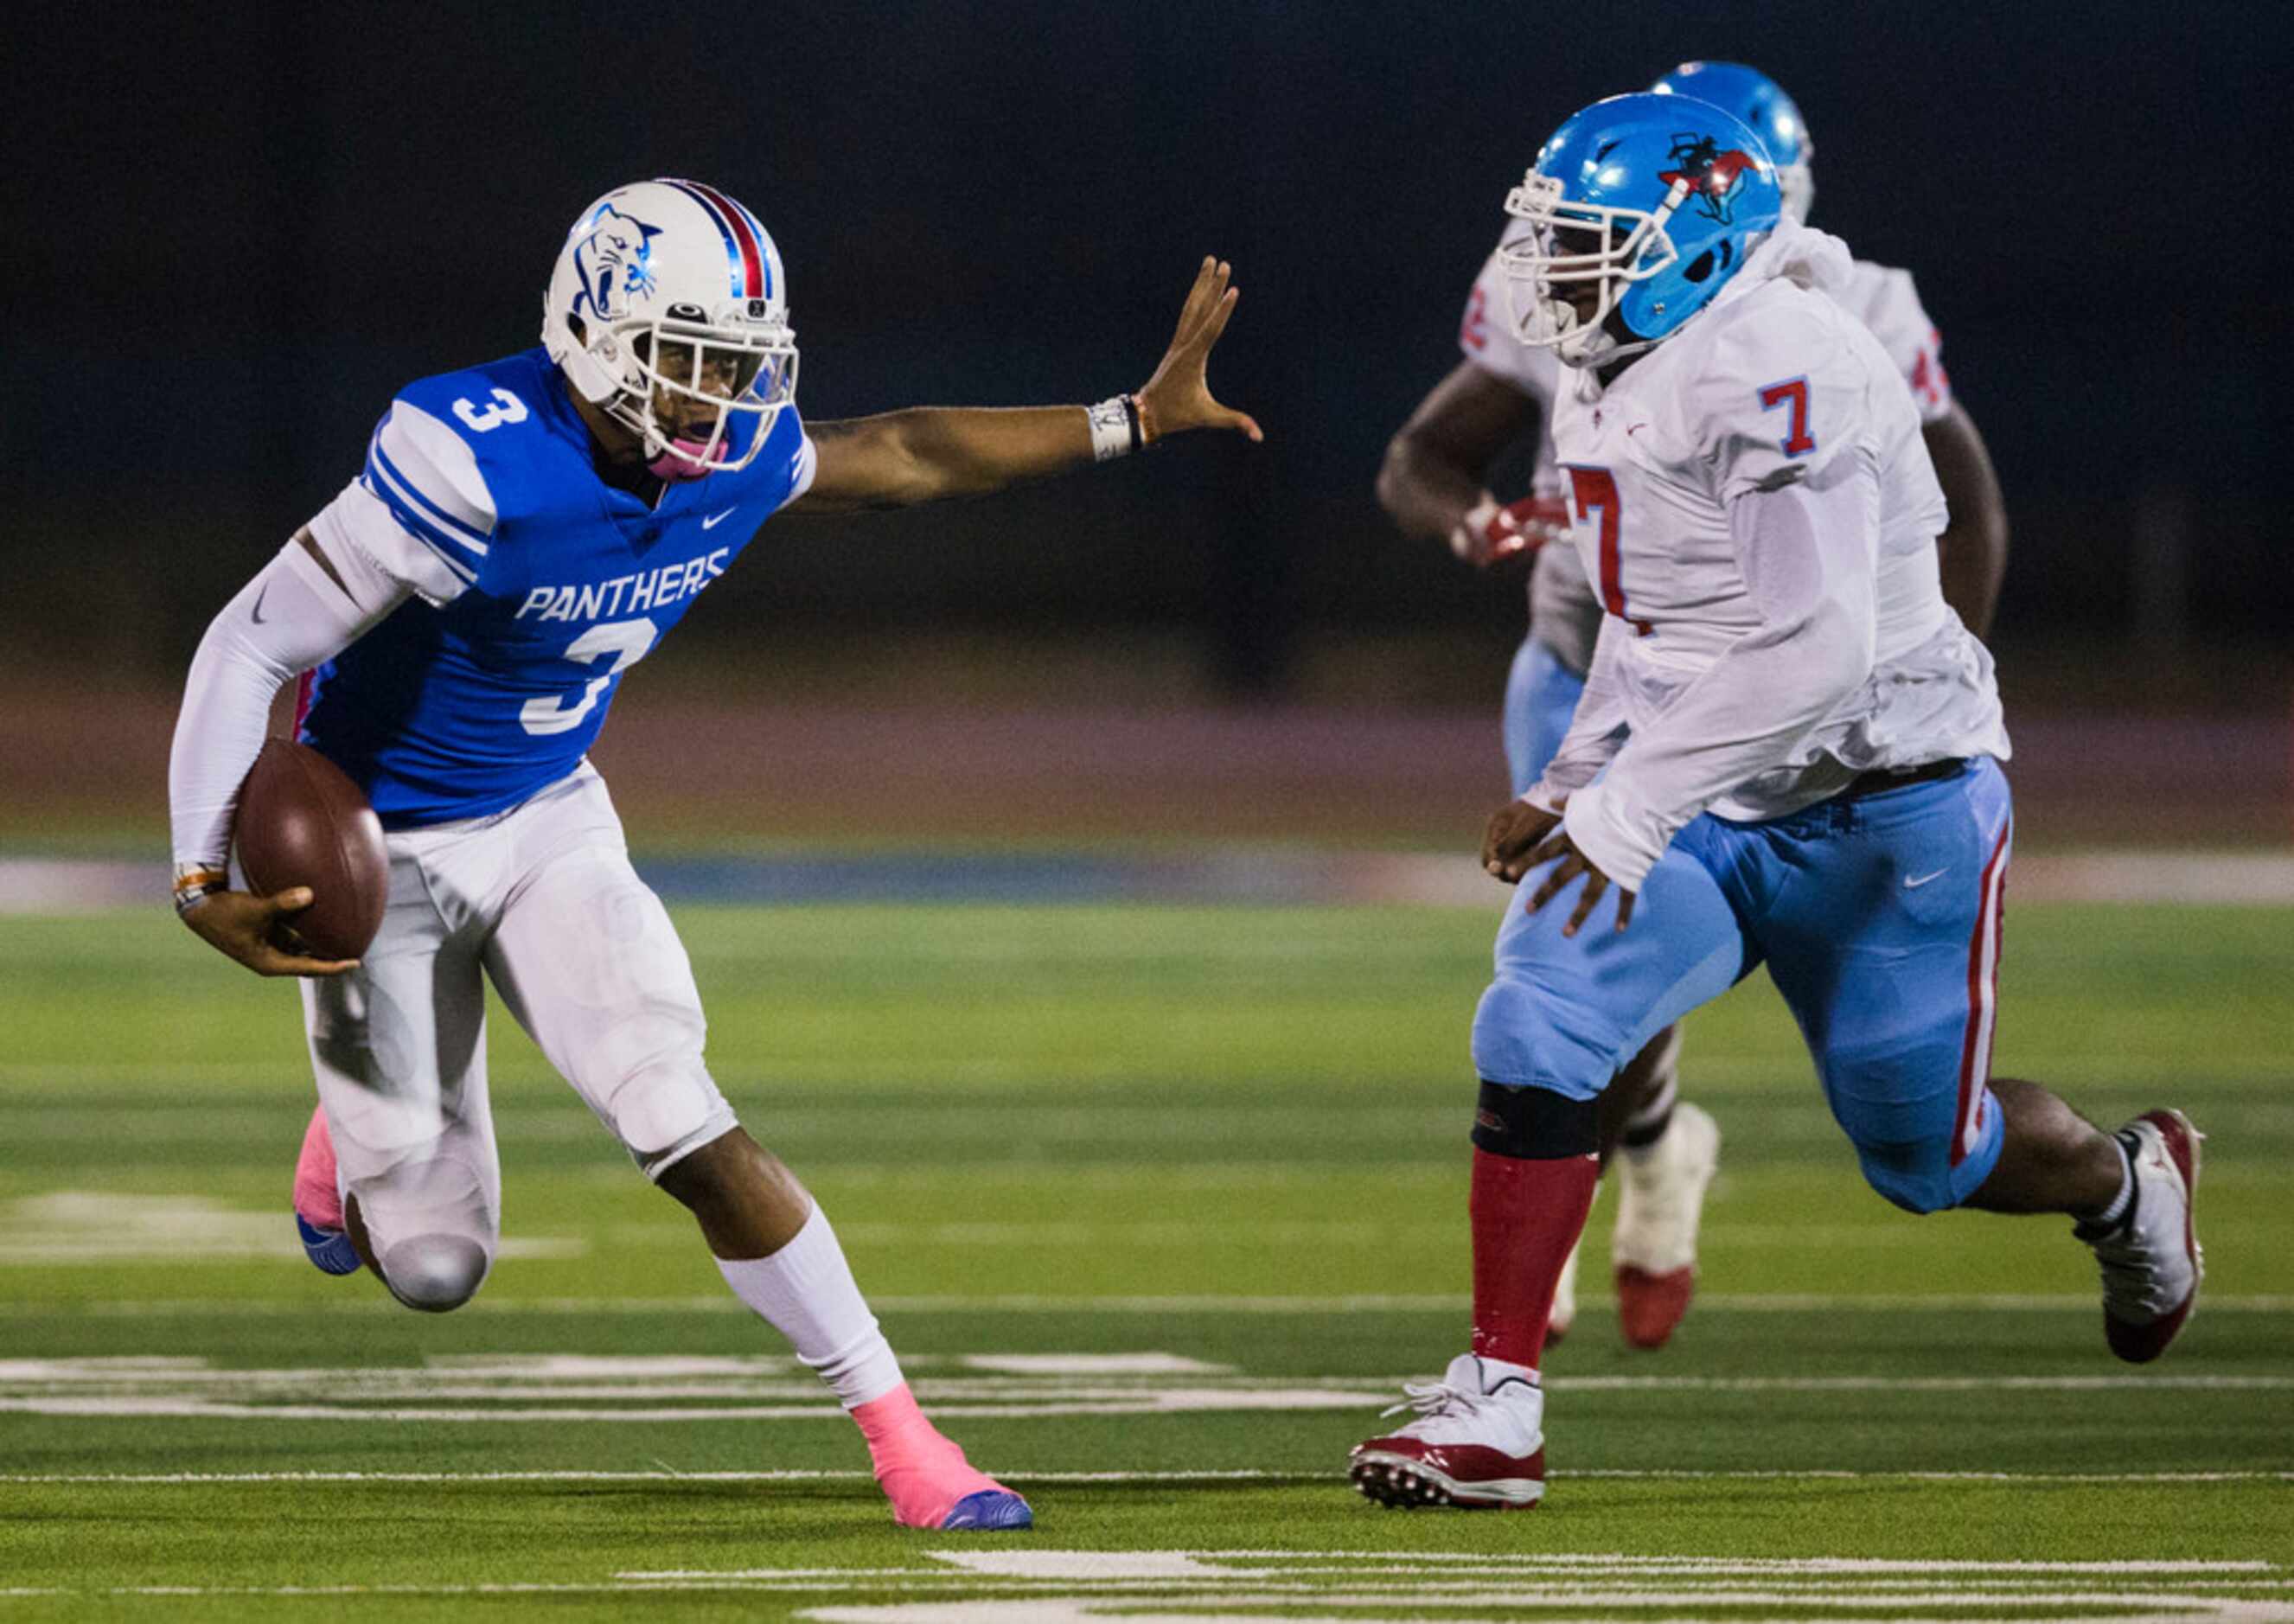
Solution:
(1474, 331)
(1792, 392)
(1595, 492)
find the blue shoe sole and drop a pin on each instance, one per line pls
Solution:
(329, 1250)
(989, 1509)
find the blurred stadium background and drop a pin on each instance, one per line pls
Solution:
(242, 230)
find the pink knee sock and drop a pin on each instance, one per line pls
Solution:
(317, 1199)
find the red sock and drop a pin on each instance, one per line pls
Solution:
(1526, 1215)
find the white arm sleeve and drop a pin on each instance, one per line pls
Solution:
(288, 619)
(1808, 553)
(1596, 730)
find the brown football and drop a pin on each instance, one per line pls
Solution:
(301, 821)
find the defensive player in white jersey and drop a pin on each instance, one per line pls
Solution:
(1435, 483)
(522, 532)
(1787, 754)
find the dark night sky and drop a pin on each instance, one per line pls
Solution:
(237, 237)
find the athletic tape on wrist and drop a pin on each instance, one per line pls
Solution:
(1114, 428)
(194, 884)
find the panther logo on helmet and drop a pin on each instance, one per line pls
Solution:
(1710, 173)
(614, 263)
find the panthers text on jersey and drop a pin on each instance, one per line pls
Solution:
(1564, 613)
(536, 585)
(1775, 383)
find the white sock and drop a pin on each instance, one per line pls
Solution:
(807, 1292)
(2116, 1208)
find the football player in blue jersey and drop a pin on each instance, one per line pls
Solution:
(522, 532)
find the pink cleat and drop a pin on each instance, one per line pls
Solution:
(925, 1476)
(319, 1202)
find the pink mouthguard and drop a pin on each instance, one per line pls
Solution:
(670, 465)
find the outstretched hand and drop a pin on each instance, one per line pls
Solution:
(1178, 398)
(255, 931)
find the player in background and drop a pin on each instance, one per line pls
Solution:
(1435, 484)
(522, 532)
(1787, 752)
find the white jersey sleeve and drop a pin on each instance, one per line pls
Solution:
(293, 616)
(1885, 301)
(419, 511)
(1778, 405)
(807, 468)
(1808, 551)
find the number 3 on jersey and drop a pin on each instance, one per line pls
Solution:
(506, 408)
(626, 640)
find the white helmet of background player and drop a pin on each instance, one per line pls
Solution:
(669, 288)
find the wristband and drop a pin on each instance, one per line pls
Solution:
(194, 881)
(1114, 428)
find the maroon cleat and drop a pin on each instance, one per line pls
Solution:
(1650, 1305)
(2151, 1260)
(1478, 1445)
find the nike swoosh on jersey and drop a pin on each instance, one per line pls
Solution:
(715, 519)
(259, 596)
(1634, 428)
(1912, 882)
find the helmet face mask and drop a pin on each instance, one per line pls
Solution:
(667, 310)
(1638, 210)
(697, 402)
(1569, 245)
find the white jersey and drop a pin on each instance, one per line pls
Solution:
(1774, 385)
(1564, 613)
(1883, 299)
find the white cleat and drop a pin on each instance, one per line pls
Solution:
(2150, 1259)
(1659, 1200)
(1478, 1442)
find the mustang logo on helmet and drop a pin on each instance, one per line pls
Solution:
(1710, 173)
(614, 264)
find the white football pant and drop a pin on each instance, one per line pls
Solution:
(543, 900)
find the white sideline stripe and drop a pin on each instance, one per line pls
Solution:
(1625, 1474)
(1752, 1303)
(2256, 879)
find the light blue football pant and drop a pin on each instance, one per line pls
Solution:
(1540, 697)
(1879, 920)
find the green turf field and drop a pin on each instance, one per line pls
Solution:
(1160, 1206)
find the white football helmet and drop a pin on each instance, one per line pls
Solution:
(670, 290)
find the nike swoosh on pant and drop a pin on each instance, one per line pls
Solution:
(1912, 882)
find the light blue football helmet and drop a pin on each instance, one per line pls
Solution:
(1658, 200)
(1760, 102)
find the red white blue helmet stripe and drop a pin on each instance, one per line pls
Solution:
(747, 249)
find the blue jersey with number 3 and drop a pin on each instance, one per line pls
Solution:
(537, 585)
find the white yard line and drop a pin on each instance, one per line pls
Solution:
(1722, 1303)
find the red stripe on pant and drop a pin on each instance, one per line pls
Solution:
(1983, 1002)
